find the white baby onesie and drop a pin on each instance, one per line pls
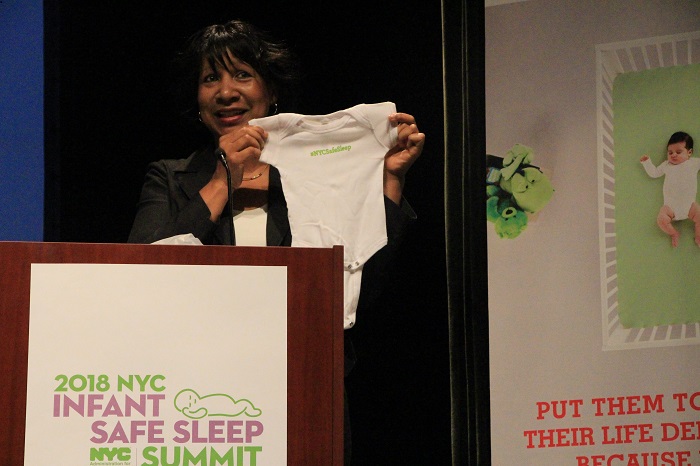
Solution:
(680, 185)
(331, 168)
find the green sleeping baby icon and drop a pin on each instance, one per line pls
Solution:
(189, 403)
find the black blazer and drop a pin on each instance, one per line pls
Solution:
(171, 205)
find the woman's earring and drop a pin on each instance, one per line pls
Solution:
(199, 116)
(273, 109)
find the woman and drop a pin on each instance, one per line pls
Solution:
(237, 74)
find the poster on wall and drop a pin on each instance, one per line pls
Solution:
(593, 302)
(648, 167)
(157, 364)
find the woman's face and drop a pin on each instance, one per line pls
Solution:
(230, 97)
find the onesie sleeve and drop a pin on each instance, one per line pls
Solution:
(653, 171)
(271, 148)
(377, 116)
(275, 126)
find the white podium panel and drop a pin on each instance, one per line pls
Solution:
(141, 364)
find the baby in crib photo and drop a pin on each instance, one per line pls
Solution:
(680, 185)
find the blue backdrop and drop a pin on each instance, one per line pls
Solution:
(21, 120)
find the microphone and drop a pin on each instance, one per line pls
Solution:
(222, 158)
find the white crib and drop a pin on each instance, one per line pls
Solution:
(611, 60)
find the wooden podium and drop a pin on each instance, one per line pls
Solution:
(314, 329)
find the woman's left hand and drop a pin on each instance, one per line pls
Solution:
(400, 157)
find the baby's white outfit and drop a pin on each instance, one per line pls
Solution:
(680, 185)
(331, 168)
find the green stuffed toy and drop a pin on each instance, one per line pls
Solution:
(515, 191)
(508, 221)
(532, 190)
(515, 157)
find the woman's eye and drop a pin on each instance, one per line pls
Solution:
(210, 78)
(243, 75)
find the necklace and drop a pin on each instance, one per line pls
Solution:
(255, 177)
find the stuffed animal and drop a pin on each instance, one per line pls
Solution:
(532, 190)
(515, 190)
(515, 157)
(508, 221)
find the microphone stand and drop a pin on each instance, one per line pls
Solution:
(222, 158)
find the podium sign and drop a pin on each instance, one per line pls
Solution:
(152, 355)
(145, 364)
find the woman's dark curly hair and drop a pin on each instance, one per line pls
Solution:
(270, 58)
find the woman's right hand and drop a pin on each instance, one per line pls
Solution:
(242, 147)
